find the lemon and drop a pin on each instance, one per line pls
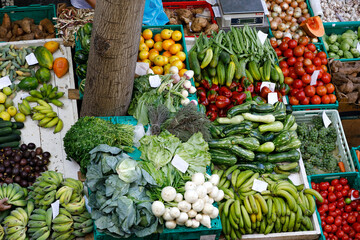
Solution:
(12, 111)
(2, 107)
(20, 117)
(8, 103)
(7, 91)
(2, 97)
(5, 116)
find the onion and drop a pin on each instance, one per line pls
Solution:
(301, 19)
(305, 10)
(278, 20)
(300, 32)
(282, 15)
(277, 9)
(297, 9)
(288, 1)
(270, 19)
(294, 4)
(274, 25)
(288, 35)
(284, 6)
(273, 39)
(274, 14)
(299, 1)
(273, 5)
(290, 12)
(297, 14)
(303, 5)
(279, 1)
(282, 27)
(278, 34)
(279, 41)
(306, 15)
(288, 18)
(296, 36)
(294, 27)
(288, 24)
(314, 40)
(287, 31)
(293, 20)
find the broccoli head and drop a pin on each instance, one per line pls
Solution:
(312, 148)
(305, 155)
(316, 161)
(331, 163)
(313, 135)
(310, 169)
(322, 133)
(331, 134)
(302, 131)
(318, 122)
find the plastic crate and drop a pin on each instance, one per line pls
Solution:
(341, 143)
(354, 157)
(340, 28)
(190, 5)
(35, 11)
(102, 236)
(353, 179)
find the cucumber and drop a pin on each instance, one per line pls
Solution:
(17, 125)
(211, 71)
(293, 144)
(282, 139)
(10, 138)
(16, 131)
(238, 109)
(5, 131)
(250, 143)
(6, 124)
(242, 153)
(261, 157)
(194, 63)
(13, 144)
(220, 143)
(257, 134)
(223, 159)
(242, 128)
(263, 108)
(257, 167)
(290, 156)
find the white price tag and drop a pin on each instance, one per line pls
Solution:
(326, 120)
(208, 237)
(4, 82)
(270, 85)
(155, 81)
(141, 68)
(55, 208)
(87, 204)
(262, 36)
(314, 77)
(284, 100)
(180, 163)
(358, 47)
(31, 59)
(259, 185)
(212, 2)
(352, 197)
(266, 11)
(216, 12)
(24, 95)
(295, 178)
(272, 97)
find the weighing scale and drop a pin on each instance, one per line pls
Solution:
(237, 13)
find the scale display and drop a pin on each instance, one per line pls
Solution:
(242, 21)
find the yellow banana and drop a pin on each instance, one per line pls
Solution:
(259, 214)
(262, 203)
(44, 121)
(52, 123)
(43, 103)
(59, 126)
(253, 204)
(247, 205)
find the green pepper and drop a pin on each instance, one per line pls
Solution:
(248, 96)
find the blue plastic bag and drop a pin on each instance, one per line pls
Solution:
(154, 14)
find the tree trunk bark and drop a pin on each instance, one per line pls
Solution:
(112, 58)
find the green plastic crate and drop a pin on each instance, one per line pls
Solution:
(339, 28)
(355, 159)
(352, 177)
(341, 143)
(35, 11)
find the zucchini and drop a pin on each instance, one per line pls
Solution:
(293, 144)
(17, 125)
(267, 70)
(274, 75)
(261, 157)
(5, 131)
(293, 134)
(211, 71)
(257, 167)
(258, 118)
(256, 134)
(220, 71)
(289, 121)
(194, 63)
(279, 111)
(223, 159)
(16, 131)
(254, 71)
(6, 124)
(13, 144)
(269, 137)
(242, 128)
(225, 57)
(267, 147)
(290, 156)
(207, 59)
(271, 127)
(282, 139)
(242, 153)
(238, 109)
(220, 143)
(230, 73)
(216, 131)
(263, 108)
(234, 120)
(10, 138)
(250, 143)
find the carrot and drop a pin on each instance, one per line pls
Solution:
(341, 166)
(358, 155)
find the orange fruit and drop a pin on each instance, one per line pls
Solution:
(147, 34)
(165, 34)
(167, 44)
(166, 60)
(143, 54)
(143, 46)
(158, 46)
(153, 55)
(173, 59)
(167, 54)
(142, 39)
(147, 61)
(174, 49)
(181, 55)
(181, 47)
(154, 50)
(149, 43)
(182, 71)
(178, 64)
(157, 70)
(176, 35)
(159, 60)
(184, 66)
(157, 37)
(167, 68)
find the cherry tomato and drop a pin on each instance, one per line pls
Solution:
(283, 46)
(297, 84)
(283, 64)
(307, 62)
(289, 81)
(291, 61)
(345, 215)
(311, 47)
(294, 91)
(332, 207)
(330, 88)
(324, 194)
(288, 53)
(309, 90)
(306, 78)
(321, 55)
(310, 69)
(353, 204)
(345, 237)
(286, 39)
(348, 208)
(273, 43)
(324, 186)
(321, 90)
(356, 227)
(305, 101)
(340, 203)
(304, 40)
(299, 50)
(293, 101)
(357, 236)
(346, 228)
(335, 182)
(299, 70)
(338, 187)
(355, 194)
(352, 233)
(333, 214)
(326, 78)
(340, 234)
(317, 61)
(332, 98)
(300, 95)
(331, 189)
(285, 71)
(327, 228)
(300, 59)
(351, 219)
(324, 61)
(298, 64)
(324, 67)
(278, 52)
(332, 197)
(292, 43)
(330, 219)
(344, 192)
(315, 100)
(334, 228)
(293, 75)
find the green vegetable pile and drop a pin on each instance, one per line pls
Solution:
(120, 206)
(89, 132)
(344, 45)
(319, 147)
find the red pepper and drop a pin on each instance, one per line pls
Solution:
(213, 108)
(206, 84)
(211, 96)
(279, 94)
(222, 102)
(257, 87)
(283, 88)
(245, 83)
(224, 91)
(211, 115)
(201, 93)
(233, 86)
(215, 87)
(205, 102)
(250, 88)
(238, 98)
(264, 92)
(240, 88)
(222, 112)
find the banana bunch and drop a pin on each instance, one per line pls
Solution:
(47, 93)
(15, 224)
(15, 193)
(283, 207)
(46, 116)
(24, 107)
(75, 208)
(45, 187)
(40, 224)
(83, 224)
(286, 168)
(62, 225)
(71, 191)
(2, 233)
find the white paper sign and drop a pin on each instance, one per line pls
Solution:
(208, 237)
(295, 178)
(284, 100)
(352, 197)
(179, 163)
(272, 97)
(87, 204)
(270, 85)
(31, 59)
(326, 120)
(358, 47)
(212, 2)
(55, 208)
(24, 95)
(259, 185)
(155, 81)
(5, 82)
(216, 12)
(141, 68)
(314, 77)
(266, 11)
(262, 36)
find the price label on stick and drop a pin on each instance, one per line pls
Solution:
(358, 47)
(31, 59)
(272, 97)
(314, 77)
(155, 81)
(270, 85)
(326, 119)
(4, 82)
(87, 204)
(55, 208)
(284, 100)
(262, 36)
(180, 163)
(259, 185)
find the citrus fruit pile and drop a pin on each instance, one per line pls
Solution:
(7, 108)
(162, 51)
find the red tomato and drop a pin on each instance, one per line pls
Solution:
(348, 208)
(291, 61)
(338, 187)
(298, 64)
(285, 71)
(306, 101)
(352, 233)
(346, 237)
(355, 194)
(300, 59)
(324, 194)
(330, 219)
(332, 98)
(357, 236)
(345, 215)
(324, 67)
(330, 88)
(299, 50)
(288, 53)
(311, 47)
(286, 39)
(307, 62)
(293, 75)
(324, 61)
(326, 78)
(321, 55)
(343, 181)
(335, 182)
(346, 186)
(340, 234)
(353, 204)
(273, 43)
(351, 219)
(356, 227)
(317, 61)
(321, 91)
(346, 228)
(309, 90)
(344, 192)
(293, 101)
(297, 84)
(292, 43)
(340, 203)
(278, 52)
(306, 78)
(327, 228)
(304, 40)
(332, 207)
(319, 83)
(315, 100)
(283, 46)
(331, 189)
(299, 70)
(338, 219)
(294, 91)
(283, 64)
(334, 228)
(309, 55)
(300, 95)
(288, 81)
(310, 69)
(324, 186)
(332, 197)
